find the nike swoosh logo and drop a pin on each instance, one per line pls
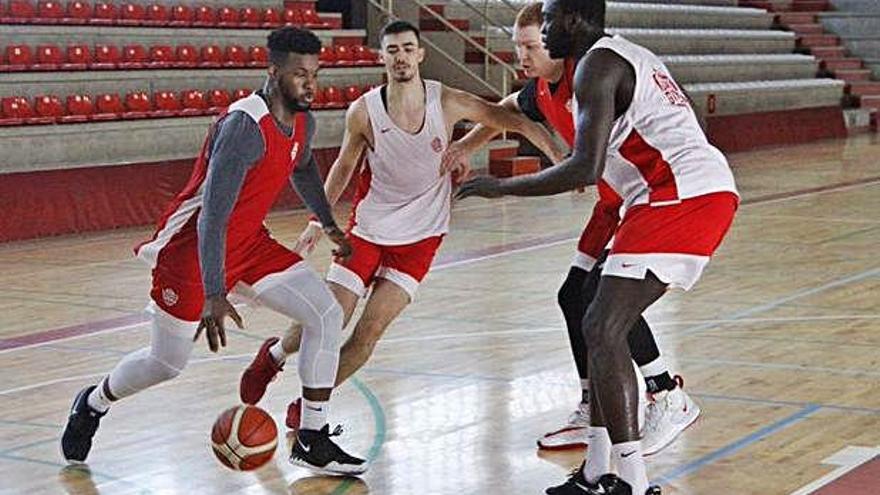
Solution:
(627, 265)
(628, 454)
(318, 409)
(383, 131)
(305, 449)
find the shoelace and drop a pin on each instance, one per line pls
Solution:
(336, 431)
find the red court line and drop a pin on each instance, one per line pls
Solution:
(43, 336)
(863, 480)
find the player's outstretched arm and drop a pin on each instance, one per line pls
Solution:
(598, 77)
(354, 140)
(460, 151)
(460, 105)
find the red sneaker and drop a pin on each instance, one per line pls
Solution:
(294, 413)
(257, 376)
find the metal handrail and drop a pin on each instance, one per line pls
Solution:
(485, 16)
(509, 70)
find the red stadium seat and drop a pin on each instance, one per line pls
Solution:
(78, 12)
(212, 56)
(20, 12)
(187, 56)
(327, 55)
(271, 18)
(259, 56)
(79, 109)
(108, 107)
(132, 14)
(134, 57)
(167, 104)
(333, 97)
(138, 105)
(50, 11)
(236, 56)
(205, 16)
(182, 15)
(161, 57)
(218, 99)
(194, 103)
(364, 55)
(250, 17)
(351, 93)
(15, 110)
(18, 58)
(241, 93)
(312, 19)
(106, 57)
(293, 16)
(344, 55)
(49, 107)
(320, 101)
(49, 57)
(158, 15)
(78, 58)
(104, 13)
(227, 17)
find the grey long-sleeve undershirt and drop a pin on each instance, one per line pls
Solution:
(236, 146)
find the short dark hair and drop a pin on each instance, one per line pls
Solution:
(592, 11)
(400, 26)
(289, 39)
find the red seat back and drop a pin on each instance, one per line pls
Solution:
(241, 93)
(293, 16)
(182, 13)
(16, 107)
(327, 55)
(105, 10)
(49, 54)
(272, 16)
(161, 54)
(236, 54)
(48, 106)
(79, 54)
(22, 9)
(250, 15)
(19, 55)
(219, 98)
(343, 54)
(158, 13)
(166, 100)
(80, 105)
(109, 103)
(205, 15)
(108, 54)
(258, 54)
(187, 54)
(212, 53)
(351, 93)
(50, 9)
(134, 12)
(195, 99)
(135, 54)
(79, 10)
(227, 15)
(138, 101)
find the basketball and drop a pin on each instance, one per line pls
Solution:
(244, 438)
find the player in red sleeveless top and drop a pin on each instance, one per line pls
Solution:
(212, 241)
(547, 97)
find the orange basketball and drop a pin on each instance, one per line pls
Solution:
(244, 437)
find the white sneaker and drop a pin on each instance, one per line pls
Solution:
(572, 435)
(670, 413)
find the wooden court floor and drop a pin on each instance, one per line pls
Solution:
(779, 342)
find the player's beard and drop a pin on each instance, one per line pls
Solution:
(291, 102)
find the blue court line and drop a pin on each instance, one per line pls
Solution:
(733, 448)
(776, 303)
(379, 426)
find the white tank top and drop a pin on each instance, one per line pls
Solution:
(657, 153)
(407, 200)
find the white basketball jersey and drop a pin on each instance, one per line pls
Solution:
(407, 199)
(657, 152)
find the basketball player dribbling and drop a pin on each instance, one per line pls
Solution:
(402, 205)
(212, 240)
(547, 97)
(637, 132)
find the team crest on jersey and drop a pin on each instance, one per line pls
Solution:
(670, 90)
(294, 151)
(437, 145)
(569, 105)
(169, 297)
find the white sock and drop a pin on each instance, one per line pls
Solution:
(314, 414)
(598, 453)
(630, 465)
(279, 355)
(655, 367)
(98, 400)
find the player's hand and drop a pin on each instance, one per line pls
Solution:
(484, 186)
(216, 309)
(455, 160)
(343, 246)
(308, 239)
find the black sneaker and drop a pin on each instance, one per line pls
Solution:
(313, 449)
(608, 484)
(82, 423)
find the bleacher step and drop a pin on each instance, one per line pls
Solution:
(518, 165)
(850, 75)
(848, 63)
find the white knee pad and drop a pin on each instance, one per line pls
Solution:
(300, 294)
(170, 347)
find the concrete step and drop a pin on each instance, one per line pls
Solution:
(864, 88)
(870, 102)
(850, 75)
(789, 18)
(518, 165)
(806, 28)
(828, 52)
(848, 63)
(816, 40)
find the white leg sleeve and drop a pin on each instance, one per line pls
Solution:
(170, 347)
(300, 294)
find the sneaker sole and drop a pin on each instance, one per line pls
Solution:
(667, 443)
(325, 471)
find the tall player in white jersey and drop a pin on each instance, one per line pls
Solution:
(637, 132)
(402, 204)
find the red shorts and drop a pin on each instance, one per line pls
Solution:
(674, 242)
(405, 265)
(177, 278)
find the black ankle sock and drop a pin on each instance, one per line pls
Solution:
(585, 396)
(660, 382)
